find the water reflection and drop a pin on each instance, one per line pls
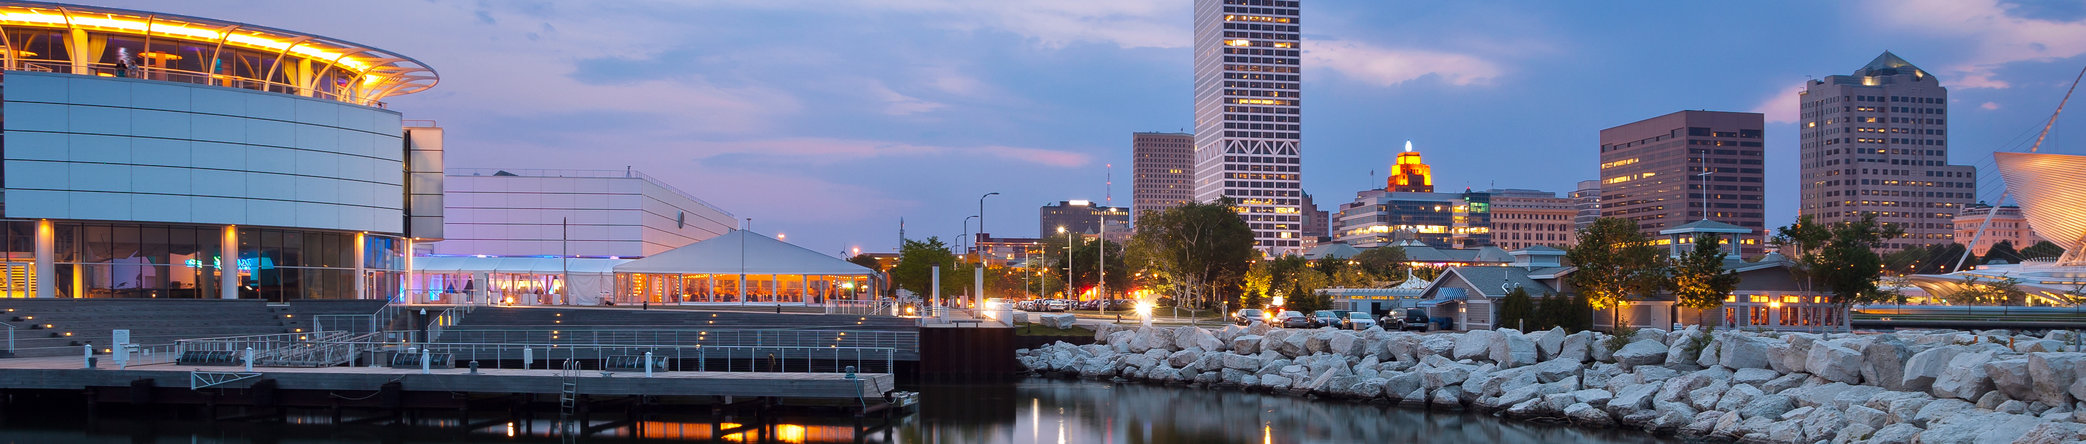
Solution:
(1034, 411)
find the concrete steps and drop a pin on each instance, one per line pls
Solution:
(43, 324)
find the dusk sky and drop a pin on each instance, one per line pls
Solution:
(829, 120)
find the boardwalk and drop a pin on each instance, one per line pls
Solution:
(65, 374)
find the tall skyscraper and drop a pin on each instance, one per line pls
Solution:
(1652, 172)
(1316, 223)
(1877, 142)
(1162, 165)
(1247, 115)
(1588, 200)
(1083, 217)
(1409, 174)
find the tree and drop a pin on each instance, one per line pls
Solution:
(1616, 264)
(2001, 252)
(1517, 310)
(2042, 250)
(914, 271)
(1086, 255)
(1198, 248)
(1840, 258)
(1976, 290)
(866, 261)
(1387, 263)
(1699, 280)
(1306, 300)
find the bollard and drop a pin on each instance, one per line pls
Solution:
(528, 357)
(648, 364)
(474, 366)
(249, 359)
(87, 355)
(850, 372)
(424, 360)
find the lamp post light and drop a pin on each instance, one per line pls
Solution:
(966, 233)
(1068, 261)
(981, 217)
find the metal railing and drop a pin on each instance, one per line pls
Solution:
(264, 346)
(449, 317)
(863, 307)
(732, 359)
(900, 341)
(141, 354)
(190, 77)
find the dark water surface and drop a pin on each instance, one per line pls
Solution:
(1032, 411)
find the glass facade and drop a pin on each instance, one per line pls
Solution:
(123, 260)
(760, 288)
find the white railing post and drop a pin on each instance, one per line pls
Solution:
(249, 359)
(424, 360)
(648, 364)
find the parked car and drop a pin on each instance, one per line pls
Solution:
(1057, 305)
(1292, 319)
(1415, 319)
(1325, 318)
(1357, 321)
(1248, 317)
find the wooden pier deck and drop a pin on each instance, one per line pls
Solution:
(56, 373)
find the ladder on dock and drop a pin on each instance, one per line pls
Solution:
(568, 398)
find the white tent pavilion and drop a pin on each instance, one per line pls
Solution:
(511, 280)
(741, 267)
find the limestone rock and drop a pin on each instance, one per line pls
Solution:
(1549, 342)
(1245, 344)
(1575, 347)
(1196, 337)
(1736, 397)
(1964, 378)
(1924, 367)
(1834, 363)
(2010, 376)
(1474, 344)
(1585, 415)
(1058, 321)
(1768, 406)
(1446, 398)
(1742, 352)
(2052, 374)
(1641, 353)
(1883, 362)
(1512, 349)
(2054, 433)
(1437, 345)
(1938, 410)
(1632, 399)
(1798, 353)
(1979, 428)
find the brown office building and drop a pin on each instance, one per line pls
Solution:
(1165, 167)
(1651, 172)
(1527, 218)
(1877, 142)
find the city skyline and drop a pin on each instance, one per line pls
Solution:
(1031, 99)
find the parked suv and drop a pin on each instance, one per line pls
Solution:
(1248, 316)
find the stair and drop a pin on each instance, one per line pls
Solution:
(59, 327)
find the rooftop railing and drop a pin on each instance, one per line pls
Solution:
(190, 77)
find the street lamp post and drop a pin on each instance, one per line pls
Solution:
(981, 217)
(1705, 191)
(1068, 261)
(966, 233)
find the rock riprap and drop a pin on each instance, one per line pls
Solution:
(1908, 386)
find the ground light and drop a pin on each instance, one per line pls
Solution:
(1144, 312)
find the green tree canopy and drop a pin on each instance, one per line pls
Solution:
(1616, 264)
(2042, 250)
(1517, 310)
(1199, 249)
(2001, 252)
(1086, 260)
(1699, 280)
(1840, 258)
(1386, 263)
(916, 260)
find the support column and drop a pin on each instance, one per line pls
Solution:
(228, 263)
(46, 261)
(361, 275)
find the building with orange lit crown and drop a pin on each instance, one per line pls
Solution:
(153, 155)
(1409, 175)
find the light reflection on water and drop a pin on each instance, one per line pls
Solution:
(1033, 411)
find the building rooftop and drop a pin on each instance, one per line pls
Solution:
(188, 49)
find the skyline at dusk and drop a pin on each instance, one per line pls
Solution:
(831, 121)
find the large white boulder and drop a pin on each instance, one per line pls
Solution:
(1883, 363)
(1834, 362)
(1924, 367)
(1196, 337)
(2053, 374)
(1576, 347)
(1058, 321)
(1798, 353)
(1741, 352)
(1437, 345)
(1245, 344)
(1511, 349)
(1445, 375)
(1345, 343)
(1549, 342)
(2010, 377)
(1965, 377)
(1474, 344)
(1643, 352)
(1979, 428)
